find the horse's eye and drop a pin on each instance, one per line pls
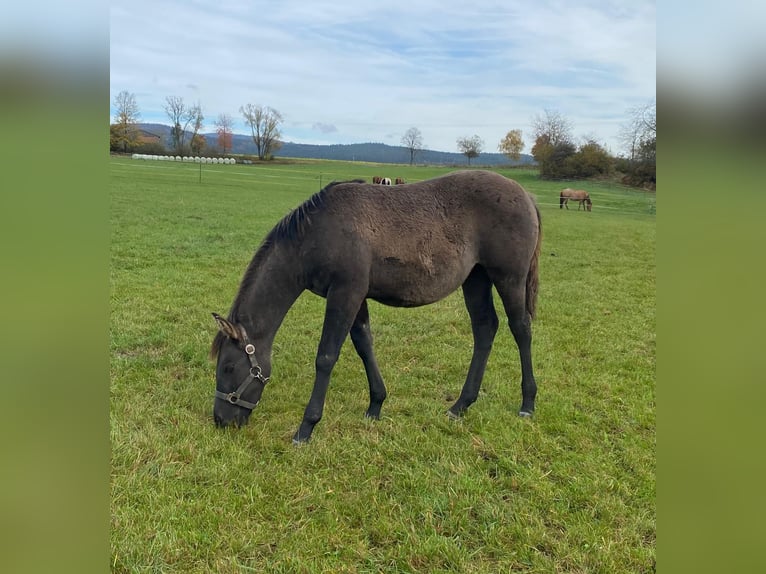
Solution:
(228, 368)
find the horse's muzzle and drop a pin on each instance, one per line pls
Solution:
(235, 421)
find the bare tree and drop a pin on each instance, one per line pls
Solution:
(640, 129)
(264, 127)
(126, 117)
(553, 144)
(413, 141)
(470, 147)
(553, 127)
(224, 126)
(178, 112)
(511, 145)
(639, 139)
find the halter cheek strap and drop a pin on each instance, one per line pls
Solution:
(235, 398)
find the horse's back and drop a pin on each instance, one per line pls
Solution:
(419, 241)
(578, 194)
(461, 206)
(460, 189)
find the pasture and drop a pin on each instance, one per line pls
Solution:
(572, 490)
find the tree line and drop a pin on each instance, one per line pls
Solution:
(186, 123)
(559, 157)
(554, 149)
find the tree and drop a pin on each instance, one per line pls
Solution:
(125, 133)
(641, 127)
(224, 125)
(559, 164)
(264, 127)
(198, 144)
(178, 112)
(639, 137)
(542, 150)
(194, 117)
(552, 124)
(511, 145)
(553, 144)
(589, 160)
(413, 141)
(470, 147)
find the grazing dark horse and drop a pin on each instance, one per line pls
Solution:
(376, 179)
(579, 195)
(399, 181)
(385, 181)
(354, 241)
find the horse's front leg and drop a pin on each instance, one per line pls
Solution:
(341, 309)
(361, 336)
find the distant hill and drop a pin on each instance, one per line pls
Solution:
(370, 152)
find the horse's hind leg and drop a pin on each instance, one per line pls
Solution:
(361, 336)
(477, 292)
(513, 295)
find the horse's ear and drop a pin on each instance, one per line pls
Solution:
(231, 330)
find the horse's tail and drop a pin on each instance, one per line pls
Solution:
(561, 200)
(532, 275)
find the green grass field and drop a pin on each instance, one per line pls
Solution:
(572, 490)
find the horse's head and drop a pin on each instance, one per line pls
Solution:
(588, 202)
(239, 379)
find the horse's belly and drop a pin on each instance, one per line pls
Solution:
(403, 283)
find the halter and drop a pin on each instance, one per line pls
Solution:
(255, 373)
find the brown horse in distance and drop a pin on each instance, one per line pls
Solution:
(579, 195)
(399, 181)
(376, 179)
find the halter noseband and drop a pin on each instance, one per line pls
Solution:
(235, 398)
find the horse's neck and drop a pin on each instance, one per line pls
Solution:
(274, 289)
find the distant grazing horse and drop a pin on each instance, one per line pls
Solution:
(579, 195)
(399, 181)
(354, 241)
(385, 181)
(376, 179)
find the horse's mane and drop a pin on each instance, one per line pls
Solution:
(290, 228)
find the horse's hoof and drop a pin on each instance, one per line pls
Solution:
(453, 416)
(300, 442)
(525, 414)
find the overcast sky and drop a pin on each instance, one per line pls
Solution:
(366, 71)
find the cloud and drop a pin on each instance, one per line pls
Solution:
(372, 70)
(324, 128)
